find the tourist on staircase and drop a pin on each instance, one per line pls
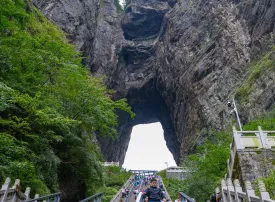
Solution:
(136, 192)
(154, 193)
(127, 192)
(215, 197)
(123, 192)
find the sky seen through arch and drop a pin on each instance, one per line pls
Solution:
(147, 149)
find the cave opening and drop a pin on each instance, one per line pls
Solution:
(147, 149)
(122, 3)
(150, 108)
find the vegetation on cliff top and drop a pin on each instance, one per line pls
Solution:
(50, 107)
(266, 121)
(256, 69)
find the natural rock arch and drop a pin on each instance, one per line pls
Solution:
(179, 71)
(149, 107)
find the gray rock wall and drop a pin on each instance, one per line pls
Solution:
(176, 63)
(253, 164)
(76, 17)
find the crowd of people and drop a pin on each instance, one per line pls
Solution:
(153, 191)
(150, 187)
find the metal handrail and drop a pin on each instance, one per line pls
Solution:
(184, 198)
(166, 192)
(139, 198)
(55, 197)
(96, 198)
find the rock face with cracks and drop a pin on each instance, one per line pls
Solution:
(177, 62)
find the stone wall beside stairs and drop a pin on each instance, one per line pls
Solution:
(251, 164)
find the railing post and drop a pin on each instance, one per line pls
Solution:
(100, 198)
(16, 184)
(5, 187)
(57, 198)
(263, 137)
(263, 193)
(230, 188)
(224, 187)
(27, 193)
(36, 196)
(259, 134)
(16, 188)
(238, 189)
(249, 191)
(237, 139)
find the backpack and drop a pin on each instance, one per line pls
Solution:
(213, 197)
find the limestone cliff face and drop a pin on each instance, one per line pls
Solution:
(176, 62)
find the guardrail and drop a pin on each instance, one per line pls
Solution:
(254, 139)
(233, 192)
(49, 198)
(139, 198)
(184, 198)
(95, 198)
(243, 140)
(14, 194)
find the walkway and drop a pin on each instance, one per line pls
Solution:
(132, 195)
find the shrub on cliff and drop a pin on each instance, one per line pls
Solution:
(115, 176)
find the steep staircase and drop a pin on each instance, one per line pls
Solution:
(130, 185)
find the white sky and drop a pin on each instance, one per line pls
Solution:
(147, 149)
(121, 2)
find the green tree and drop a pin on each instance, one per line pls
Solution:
(50, 108)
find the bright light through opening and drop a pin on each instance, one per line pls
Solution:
(122, 2)
(147, 149)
